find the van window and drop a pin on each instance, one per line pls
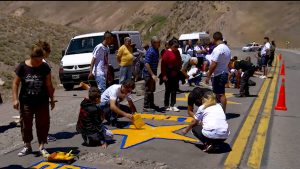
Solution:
(83, 45)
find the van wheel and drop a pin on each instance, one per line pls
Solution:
(68, 86)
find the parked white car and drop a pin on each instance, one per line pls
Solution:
(76, 59)
(251, 47)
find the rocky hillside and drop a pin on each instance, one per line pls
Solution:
(241, 22)
(17, 34)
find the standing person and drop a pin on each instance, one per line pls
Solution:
(47, 49)
(200, 54)
(272, 53)
(189, 48)
(220, 58)
(258, 56)
(209, 124)
(99, 63)
(170, 69)
(166, 48)
(137, 54)
(150, 73)
(265, 53)
(125, 59)
(36, 89)
(184, 44)
(1, 101)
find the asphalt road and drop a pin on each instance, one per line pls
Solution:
(160, 144)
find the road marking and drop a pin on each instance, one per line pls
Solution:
(52, 165)
(166, 117)
(234, 157)
(133, 137)
(254, 160)
(228, 95)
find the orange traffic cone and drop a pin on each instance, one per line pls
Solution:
(282, 70)
(281, 98)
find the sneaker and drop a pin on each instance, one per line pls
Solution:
(263, 77)
(175, 109)
(51, 138)
(25, 151)
(44, 153)
(169, 109)
(154, 107)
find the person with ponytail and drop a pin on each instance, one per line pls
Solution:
(209, 124)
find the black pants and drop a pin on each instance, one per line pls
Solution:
(197, 131)
(149, 92)
(172, 85)
(244, 88)
(270, 60)
(42, 121)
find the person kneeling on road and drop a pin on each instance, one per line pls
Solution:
(90, 120)
(111, 98)
(209, 124)
(246, 70)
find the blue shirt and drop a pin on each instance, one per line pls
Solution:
(152, 58)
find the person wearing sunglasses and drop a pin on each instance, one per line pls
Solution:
(111, 99)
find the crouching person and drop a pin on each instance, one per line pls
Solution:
(209, 124)
(111, 99)
(90, 119)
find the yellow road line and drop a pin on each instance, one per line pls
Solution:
(234, 157)
(254, 160)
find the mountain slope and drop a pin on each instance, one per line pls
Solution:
(241, 22)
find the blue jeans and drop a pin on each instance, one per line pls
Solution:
(101, 83)
(125, 73)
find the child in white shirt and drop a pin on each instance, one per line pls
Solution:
(209, 124)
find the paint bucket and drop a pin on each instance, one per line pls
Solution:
(137, 121)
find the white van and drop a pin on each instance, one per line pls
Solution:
(76, 59)
(195, 36)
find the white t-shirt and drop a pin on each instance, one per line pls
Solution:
(222, 55)
(100, 53)
(114, 93)
(214, 121)
(264, 49)
(208, 57)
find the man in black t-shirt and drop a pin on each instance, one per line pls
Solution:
(194, 98)
(247, 70)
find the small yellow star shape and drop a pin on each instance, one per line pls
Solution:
(133, 136)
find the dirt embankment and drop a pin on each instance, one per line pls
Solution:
(17, 34)
(241, 22)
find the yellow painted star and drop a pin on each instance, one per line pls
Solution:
(228, 95)
(133, 136)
